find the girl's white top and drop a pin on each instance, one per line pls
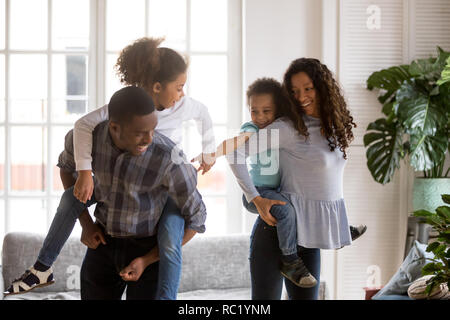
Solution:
(169, 124)
(311, 178)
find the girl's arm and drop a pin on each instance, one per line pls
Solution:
(196, 110)
(82, 137)
(82, 144)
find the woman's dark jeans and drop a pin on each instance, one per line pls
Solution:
(265, 260)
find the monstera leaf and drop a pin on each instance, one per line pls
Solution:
(427, 150)
(417, 111)
(445, 75)
(389, 80)
(430, 68)
(384, 149)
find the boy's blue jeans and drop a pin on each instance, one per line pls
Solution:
(170, 234)
(286, 219)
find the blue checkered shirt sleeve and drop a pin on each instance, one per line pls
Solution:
(181, 181)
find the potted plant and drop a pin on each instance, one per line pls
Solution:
(415, 126)
(439, 267)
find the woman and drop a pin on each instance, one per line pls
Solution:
(311, 167)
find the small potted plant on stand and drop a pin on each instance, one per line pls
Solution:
(439, 267)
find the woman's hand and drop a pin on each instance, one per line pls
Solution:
(206, 160)
(263, 205)
(84, 186)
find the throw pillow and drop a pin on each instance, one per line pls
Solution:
(409, 271)
(417, 289)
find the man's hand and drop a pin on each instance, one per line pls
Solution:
(263, 205)
(134, 270)
(206, 160)
(92, 235)
(84, 186)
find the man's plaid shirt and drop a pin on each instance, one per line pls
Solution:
(131, 191)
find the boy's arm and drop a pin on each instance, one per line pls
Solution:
(226, 147)
(230, 145)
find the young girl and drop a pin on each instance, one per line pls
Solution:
(162, 73)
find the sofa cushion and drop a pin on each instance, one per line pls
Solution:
(35, 295)
(216, 262)
(417, 289)
(20, 250)
(409, 271)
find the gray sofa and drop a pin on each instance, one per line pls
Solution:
(214, 268)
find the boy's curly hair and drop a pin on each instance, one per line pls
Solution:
(280, 98)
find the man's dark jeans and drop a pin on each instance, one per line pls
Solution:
(100, 279)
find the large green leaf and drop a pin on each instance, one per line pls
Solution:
(429, 68)
(423, 68)
(445, 75)
(388, 81)
(427, 151)
(417, 111)
(384, 149)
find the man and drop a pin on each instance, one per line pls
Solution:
(134, 176)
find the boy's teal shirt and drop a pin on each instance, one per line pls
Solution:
(267, 160)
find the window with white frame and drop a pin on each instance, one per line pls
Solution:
(60, 66)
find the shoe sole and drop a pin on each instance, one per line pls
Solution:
(36, 286)
(298, 285)
(362, 232)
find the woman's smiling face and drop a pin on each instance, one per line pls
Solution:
(304, 92)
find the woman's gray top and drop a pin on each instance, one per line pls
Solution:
(311, 178)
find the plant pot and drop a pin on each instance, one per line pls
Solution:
(427, 193)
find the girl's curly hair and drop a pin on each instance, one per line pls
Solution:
(144, 63)
(337, 123)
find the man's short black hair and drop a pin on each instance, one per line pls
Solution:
(128, 102)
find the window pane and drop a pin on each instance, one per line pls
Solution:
(28, 215)
(2, 24)
(2, 221)
(70, 24)
(209, 25)
(208, 84)
(112, 79)
(28, 24)
(2, 87)
(216, 217)
(124, 22)
(2, 159)
(28, 87)
(173, 29)
(28, 158)
(69, 87)
(57, 141)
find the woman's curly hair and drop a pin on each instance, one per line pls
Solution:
(144, 63)
(337, 123)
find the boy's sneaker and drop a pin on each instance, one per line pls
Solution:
(31, 279)
(297, 272)
(357, 231)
